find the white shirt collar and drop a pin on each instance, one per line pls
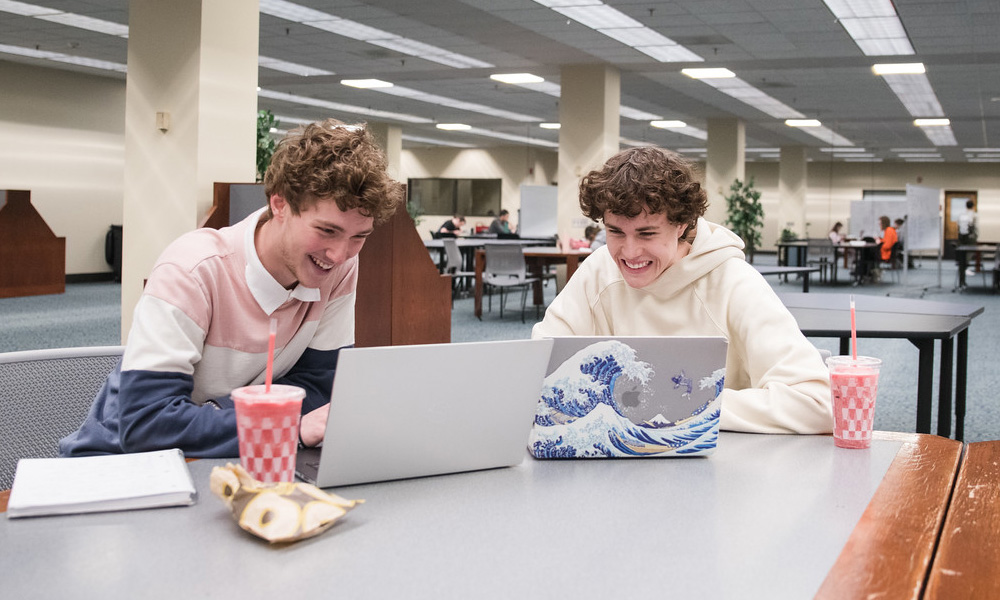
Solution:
(266, 290)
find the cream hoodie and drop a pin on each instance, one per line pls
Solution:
(776, 381)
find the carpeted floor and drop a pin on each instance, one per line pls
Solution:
(88, 315)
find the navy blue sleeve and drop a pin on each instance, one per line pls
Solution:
(314, 373)
(156, 412)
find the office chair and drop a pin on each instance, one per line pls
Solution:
(453, 266)
(506, 269)
(44, 396)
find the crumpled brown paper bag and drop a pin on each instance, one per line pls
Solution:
(277, 512)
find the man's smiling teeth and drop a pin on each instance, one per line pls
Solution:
(321, 264)
(637, 265)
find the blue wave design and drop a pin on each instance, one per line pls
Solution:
(578, 415)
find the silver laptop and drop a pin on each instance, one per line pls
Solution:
(410, 411)
(630, 397)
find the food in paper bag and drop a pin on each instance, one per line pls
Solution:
(277, 512)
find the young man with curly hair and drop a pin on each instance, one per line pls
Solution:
(201, 325)
(668, 271)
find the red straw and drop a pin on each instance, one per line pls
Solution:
(854, 331)
(271, 334)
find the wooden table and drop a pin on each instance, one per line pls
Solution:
(537, 258)
(965, 565)
(919, 321)
(766, 516)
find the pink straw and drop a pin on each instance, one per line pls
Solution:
(271, 334)
(854, 331)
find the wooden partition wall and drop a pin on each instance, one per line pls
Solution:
(32, 258)
(402, 298)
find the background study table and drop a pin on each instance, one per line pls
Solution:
(919, 321)
(766, 517)
(536, 258)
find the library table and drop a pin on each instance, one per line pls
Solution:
(919, 321)
(766, 516)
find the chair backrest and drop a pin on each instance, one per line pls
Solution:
(505, 260)
(452, 255)
(45, 395)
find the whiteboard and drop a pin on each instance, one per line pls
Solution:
(920, 209)
(539, 211)
(923, 220)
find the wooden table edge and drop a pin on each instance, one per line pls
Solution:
(969, 550)
(889, 552)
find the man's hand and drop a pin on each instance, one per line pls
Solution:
(312, 426)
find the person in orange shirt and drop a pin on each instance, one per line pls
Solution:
(889, 237)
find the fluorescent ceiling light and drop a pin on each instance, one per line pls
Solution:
(668, 53)
(637, 36)
(691, 150)
(924, 160)
(340, 107)
(873, 25)
(88, 23)
(522, 139)
(63, 58)
(916, 94)
(981, 149)
(420, 96)
(931, 122)
(708, 73)
(920, 155)
(984, 160)
(636, 114)
(27, 10)
(762, 149)
(454, 126)
(841, 149)
(668, 124)
(862, 159)
(802, 122)
(435, 142)
(358, 31)
(277, 64)
(898, 68)
(853, 155)
(554, 3)
(516, 78)
(365, 83)
(940, 135)
(751, 96)
(597, 16)
(550, 125)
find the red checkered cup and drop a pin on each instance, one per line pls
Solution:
(267, 423)
(854, 383)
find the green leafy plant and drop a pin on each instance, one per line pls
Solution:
(746, 214)
(265, 143)
(415, 212)
(787, 235)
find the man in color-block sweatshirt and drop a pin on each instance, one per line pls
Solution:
(201, 325)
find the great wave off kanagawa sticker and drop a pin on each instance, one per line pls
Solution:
(600, 402)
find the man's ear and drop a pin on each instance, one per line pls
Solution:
(279, 206)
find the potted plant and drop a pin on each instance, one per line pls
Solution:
(265, 143)
(746, 214)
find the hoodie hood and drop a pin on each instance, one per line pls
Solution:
(713, 245)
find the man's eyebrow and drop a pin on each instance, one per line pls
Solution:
(338, 228)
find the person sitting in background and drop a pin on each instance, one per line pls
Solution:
(600, 238)
(501, 224)
(668, 271)
(835, 236)
(452, 227)
(200, 327)
(889, 238)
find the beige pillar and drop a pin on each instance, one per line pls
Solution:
(588, 134)
(390, 139)
(190, 121)
(725, 163)
(792, 190)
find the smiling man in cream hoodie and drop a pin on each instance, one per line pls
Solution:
(668, 271)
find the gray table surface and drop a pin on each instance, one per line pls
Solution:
(764, 517)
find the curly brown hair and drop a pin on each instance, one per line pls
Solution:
(647, 178)
(330, 160)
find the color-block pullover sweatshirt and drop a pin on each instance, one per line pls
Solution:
(199, 330)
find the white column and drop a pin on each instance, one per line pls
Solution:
(792, 190)
(390, 139)
(588, 134)
(190, 120)
(725, 163)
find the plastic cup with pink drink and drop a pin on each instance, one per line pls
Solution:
(267, 423)
(854, 384)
